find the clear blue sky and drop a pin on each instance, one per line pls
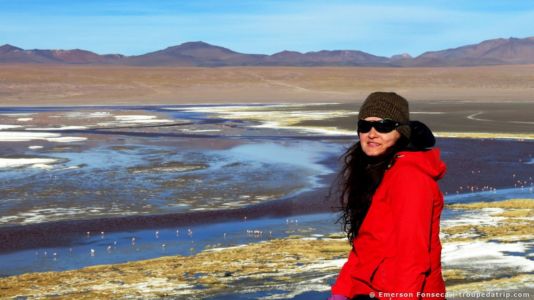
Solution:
(262, 26)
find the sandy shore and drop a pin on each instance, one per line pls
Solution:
(32, 85)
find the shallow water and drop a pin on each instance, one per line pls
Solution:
(490, 196)
(153, 170)
(152, 179)
(117, 247)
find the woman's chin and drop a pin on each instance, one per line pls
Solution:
(373, 152)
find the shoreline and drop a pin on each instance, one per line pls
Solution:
(19, 237)
(309, 263)
(337, 120)
(485, 135)
(37, 234)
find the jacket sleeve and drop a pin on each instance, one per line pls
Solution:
(411, 201)
(344, 283)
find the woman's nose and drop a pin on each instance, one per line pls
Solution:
(373, 133)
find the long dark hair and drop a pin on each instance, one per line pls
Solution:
(357, 182)
(361, 175)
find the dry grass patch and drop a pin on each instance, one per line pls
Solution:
(214, 270)
(516, 226)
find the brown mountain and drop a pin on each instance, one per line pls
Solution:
(78, 56)
(204, 54)
(194, 54)
(11, 54)
(490, 52)
(326, 58)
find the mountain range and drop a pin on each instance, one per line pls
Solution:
(200, 54)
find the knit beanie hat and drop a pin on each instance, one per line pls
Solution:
(387, 106)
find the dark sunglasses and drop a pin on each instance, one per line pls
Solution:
(382, 126)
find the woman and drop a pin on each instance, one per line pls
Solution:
(391, 206)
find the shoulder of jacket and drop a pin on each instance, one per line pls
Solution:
(404, 160)
(405, 165)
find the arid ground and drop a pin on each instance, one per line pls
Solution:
(35, 85)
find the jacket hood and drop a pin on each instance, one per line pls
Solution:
(428, 161)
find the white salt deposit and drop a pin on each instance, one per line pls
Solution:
(42, 166)
(83, 114)
(140, 119)
(323, 264)
(217, 108)
(483, 217)
(59, 128)
(39, 215)
(67, 139)
(150, 121)
(277, 119)
(303, 129)
(24, 119)
(69, 168)
(154, 285)
(200, 130)
(99, 114)
(486, 135)
(2, 127)
(134, 119)
(21, 162)
(73, 115)
(21, 136)
(318, 284)
(203, 208)
(225, 248)
(234, 204)
(483, 255)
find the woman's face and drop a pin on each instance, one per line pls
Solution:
(375, 143)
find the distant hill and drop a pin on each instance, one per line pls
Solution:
(325, 58)
(490, 52)
(194, 54)
(11, 54)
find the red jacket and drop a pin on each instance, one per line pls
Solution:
(397, 252)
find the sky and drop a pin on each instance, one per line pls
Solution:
(384, 28)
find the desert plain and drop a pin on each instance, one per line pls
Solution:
(48, 85)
